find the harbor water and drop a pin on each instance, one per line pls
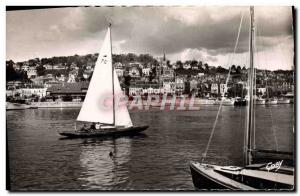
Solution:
(39, 159)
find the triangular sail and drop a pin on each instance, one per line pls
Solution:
(122, 117)
(100, 87)
(98, 103)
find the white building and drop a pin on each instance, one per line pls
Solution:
(31, 72)
(223, 89)
(262, 90)
(119, 72)
(169, 87)
(146, 71)
(41, 92)
(214, 88)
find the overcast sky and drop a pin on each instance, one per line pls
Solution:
(183, 33)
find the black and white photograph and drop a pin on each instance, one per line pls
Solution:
(150, 98)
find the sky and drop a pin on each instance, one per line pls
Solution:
(182, 33)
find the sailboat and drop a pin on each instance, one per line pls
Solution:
(250, 177)
(102, 102)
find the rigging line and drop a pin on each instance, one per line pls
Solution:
(274, 127)
(217, 117)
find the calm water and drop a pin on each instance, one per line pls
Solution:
(157, 160)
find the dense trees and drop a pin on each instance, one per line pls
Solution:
(40, 70)
(12, 74)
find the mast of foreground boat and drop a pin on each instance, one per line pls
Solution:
(113, 85)
(248, 155)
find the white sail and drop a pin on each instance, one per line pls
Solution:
(98, 103)
(121, 115)
(100, 87)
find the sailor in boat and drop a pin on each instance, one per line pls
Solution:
(93, 126)
(98, 126)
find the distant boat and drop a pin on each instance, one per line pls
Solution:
(16, 106)
(283, 101)
(252, 176)
(225, 101)
(240, 101)
(271, 101)
(260, 101)
(114, 120)
(19, 106)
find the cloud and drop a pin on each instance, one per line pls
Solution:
(177, 31)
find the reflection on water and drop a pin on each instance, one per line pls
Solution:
(158, 160)
(103, 163)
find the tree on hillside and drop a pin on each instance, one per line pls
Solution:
(40, 70)
(179, 64)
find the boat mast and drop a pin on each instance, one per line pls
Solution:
(113, 83)
(248, 156)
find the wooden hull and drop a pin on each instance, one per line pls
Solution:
(111, 132)
(204, 182)
(249, 178)
(205, 178)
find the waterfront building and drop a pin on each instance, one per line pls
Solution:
(169, 87)
(214, 89)
(223, 89)
(39, 91)
(179, 84)
(193, 84)
(74, 90)
(13, 84)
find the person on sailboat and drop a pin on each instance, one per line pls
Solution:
(84, 128)
(98, 125)
(93, 126)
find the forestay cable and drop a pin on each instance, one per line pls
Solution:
(228, 64)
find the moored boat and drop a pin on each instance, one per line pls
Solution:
(251, 176)
(260, 101)
(271, 101)
(240, 101)
(224, 101)
(16, 106)
(283, 101)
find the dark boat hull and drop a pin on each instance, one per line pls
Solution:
(111, 132)
(249, 178)
(203, 182)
